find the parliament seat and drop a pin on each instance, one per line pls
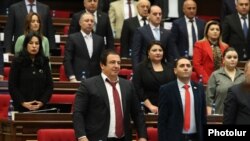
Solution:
(126, 73)
(62, 75)
(4, 105)
(56, 135)
(152, 134)
(6, 72)
(63, 99)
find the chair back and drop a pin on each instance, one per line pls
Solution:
(56, 135)
(4, 105)
(152, 134)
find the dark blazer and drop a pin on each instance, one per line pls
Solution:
(91, 116)
(103, 27)
(164, 7)
(228, 8)
(103, 5)
(237, 105)
(1, 62)
(170, 118)
(233, 35)
(143, 36)
(128, 29)
(76, 56)
(180, 33)
(16, 20)
(30, 81)
(147, 83)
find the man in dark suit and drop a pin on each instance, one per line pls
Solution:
(236, 30)
(15, 22)
(143, 36)
(102, 25)
(167, 4)
(228, 8)
(182, 29)
(130, 25)
(99, 100)
(237, 102)
(83, 51)
(182, 106)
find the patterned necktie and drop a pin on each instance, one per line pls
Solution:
(245, 28)
(187, 108)
(217, 56)
(193, 31)
(118, 111)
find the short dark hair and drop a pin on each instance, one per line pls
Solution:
(104, 55)
(177, 61)
(227, 50)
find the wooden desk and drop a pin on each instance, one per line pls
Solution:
(59, 87)
(25, 126)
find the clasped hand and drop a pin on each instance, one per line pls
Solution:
(32, 105)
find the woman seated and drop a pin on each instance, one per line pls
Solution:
(32, 23)
(30, 80)
(150, 74)
(221, 80)
(208, 51)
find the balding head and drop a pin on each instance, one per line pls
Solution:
(155, 15)
(189, 8)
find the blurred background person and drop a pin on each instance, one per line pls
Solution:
(208, 52)
(30, 80)
(1, 65)
(227, 8)
(83, 50)
(150, 74)
(187, 29)
(101, 25)
(221, 79)
(236, 30)
(15, 22)
(237, 102)
(119, 11)
(131, 24)
(33, 24)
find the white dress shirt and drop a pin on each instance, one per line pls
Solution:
(89, 42)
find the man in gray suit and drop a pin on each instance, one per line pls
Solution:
(15, 23)
(83, 51)
(99, 100)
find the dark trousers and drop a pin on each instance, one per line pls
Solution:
(190, 137)
(116, 139)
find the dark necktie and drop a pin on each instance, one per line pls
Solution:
(245, 28)
(144, 21)
(217, 56)
(118, 111)
(129, 9)
(31, 7)
(193, 31)
(187, 108)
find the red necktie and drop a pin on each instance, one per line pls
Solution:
(187, 108)
(118, 111)
(129, 9)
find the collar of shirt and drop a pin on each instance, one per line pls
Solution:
(27, 3)
(94, 14)
(181, 84)
(104, 77)
(243, 16)
(188, 20)
(86, 35)
(153, 27)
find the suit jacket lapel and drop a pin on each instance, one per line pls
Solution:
(177, 93)
(238, 26)
(150, 32)
(94, 44)
(196, 97)
(123, 95)
(102, 90)
(136, 22)
(99, 20)
(23, 9)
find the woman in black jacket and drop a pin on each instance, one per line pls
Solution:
(30, 80)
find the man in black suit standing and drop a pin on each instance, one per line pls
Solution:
(237, 102)
(131, 24)
(102, 25)
(182, 106)
(228, 8)
(182, 29)
(105, 104)
(83, 51)
(236, 30)
(143, 36)
(170, 8)
(15, 22)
